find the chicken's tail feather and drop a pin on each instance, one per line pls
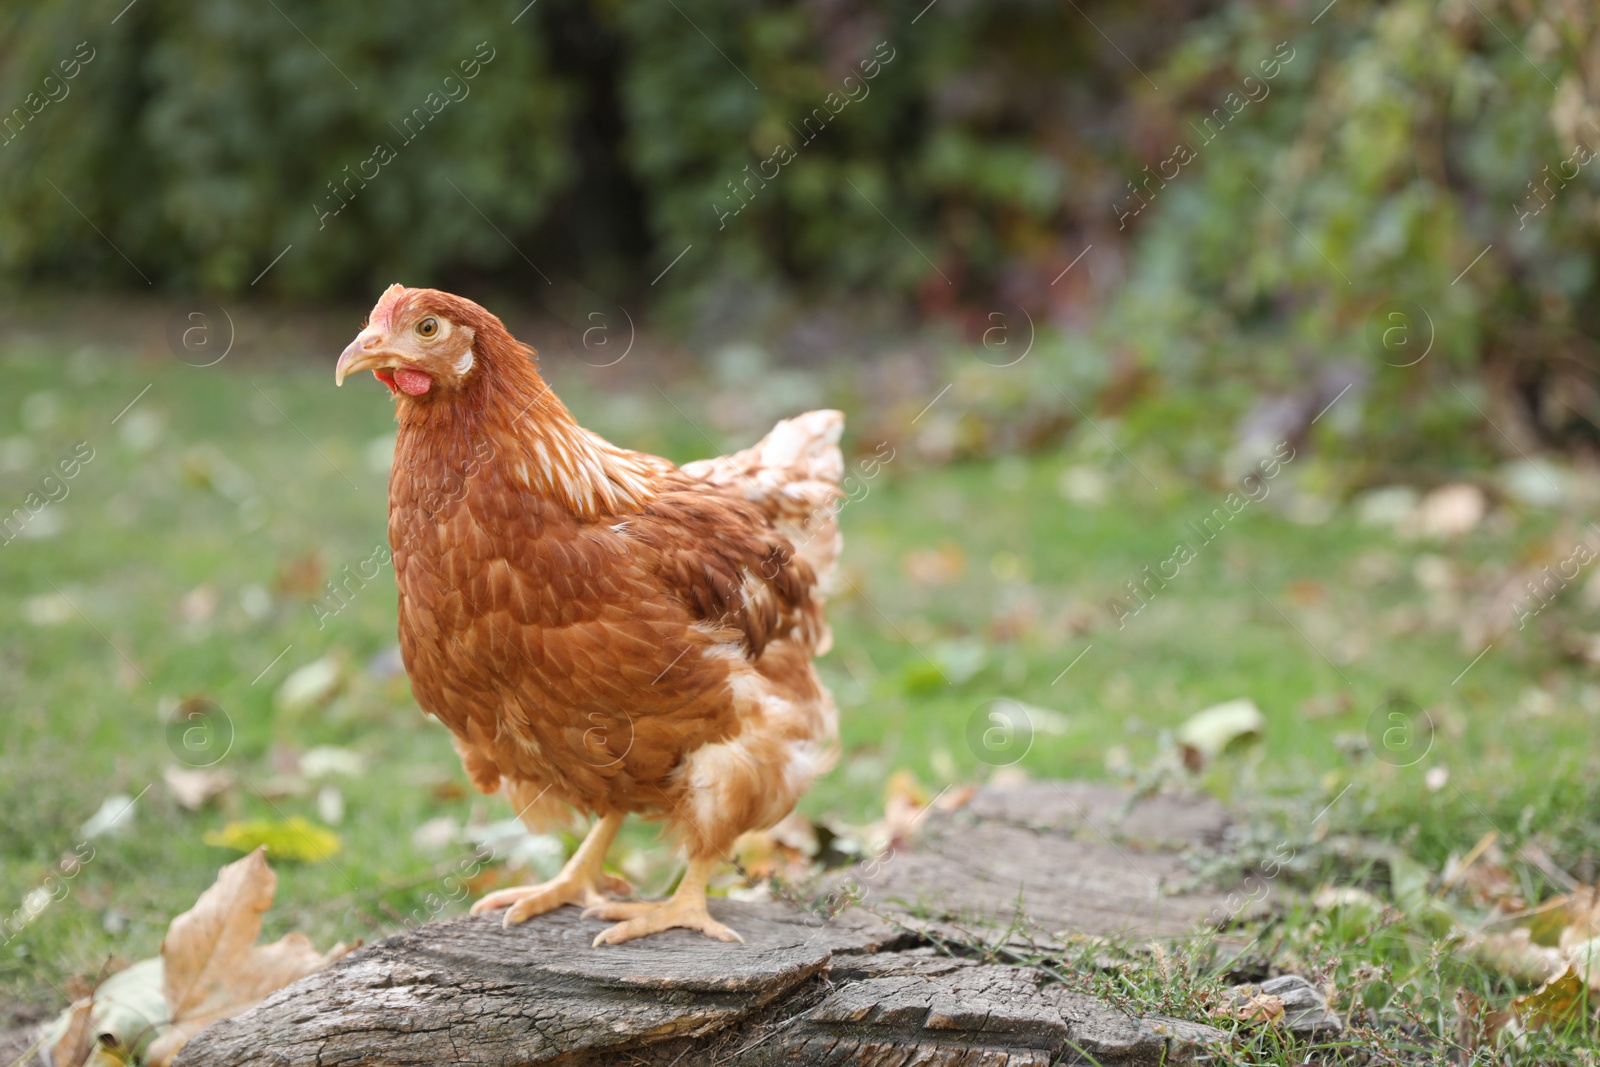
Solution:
(794, 474)
(807, 444)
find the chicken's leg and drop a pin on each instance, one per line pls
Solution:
(582, 881)
(685, 908)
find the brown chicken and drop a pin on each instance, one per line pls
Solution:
(602, 631)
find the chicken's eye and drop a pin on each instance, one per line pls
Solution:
(428, 327)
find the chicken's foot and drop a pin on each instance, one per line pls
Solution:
(582, 881)
(686, 908)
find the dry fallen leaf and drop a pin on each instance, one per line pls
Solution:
(785, 850)
(1206, 734)
(74, 1047)
(1347, 898)
(905, 802)
(935, 566)
(1326, 705)
(1513, 953)
(1306, 592)
(198, 604)
(1256, 1008)
(1448, 512)
(1482, 876)
(194, 789)
(447, 789)
(1476, 1026)
(111, 1020)
(310, 685)
(1560, 935)
(795, 831)
(214, 968)
(1555, 1003)
(956, 797)
(301, 576)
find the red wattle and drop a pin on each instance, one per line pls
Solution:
(412, 382)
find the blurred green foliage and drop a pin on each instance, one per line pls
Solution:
(1404, 141)
(201, 140)
(954, 157)
(602, 138)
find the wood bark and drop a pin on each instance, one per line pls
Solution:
(857, 988)
(799, 990)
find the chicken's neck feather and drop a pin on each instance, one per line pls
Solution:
(508, 416)
(591, 476)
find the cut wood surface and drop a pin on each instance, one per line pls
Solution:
(859, 988)
(1074, 857)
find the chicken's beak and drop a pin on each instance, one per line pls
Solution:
(364, 353)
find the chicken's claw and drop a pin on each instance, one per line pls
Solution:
(647, 917)
(582, 881)
(613, 886)
(523, 902)
(613, 910)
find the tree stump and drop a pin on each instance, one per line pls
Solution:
(854, 989)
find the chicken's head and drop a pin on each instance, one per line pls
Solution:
(419, 342)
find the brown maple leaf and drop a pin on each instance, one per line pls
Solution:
(214, 968)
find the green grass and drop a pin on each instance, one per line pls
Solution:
(220, 479)
(1393, 989)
